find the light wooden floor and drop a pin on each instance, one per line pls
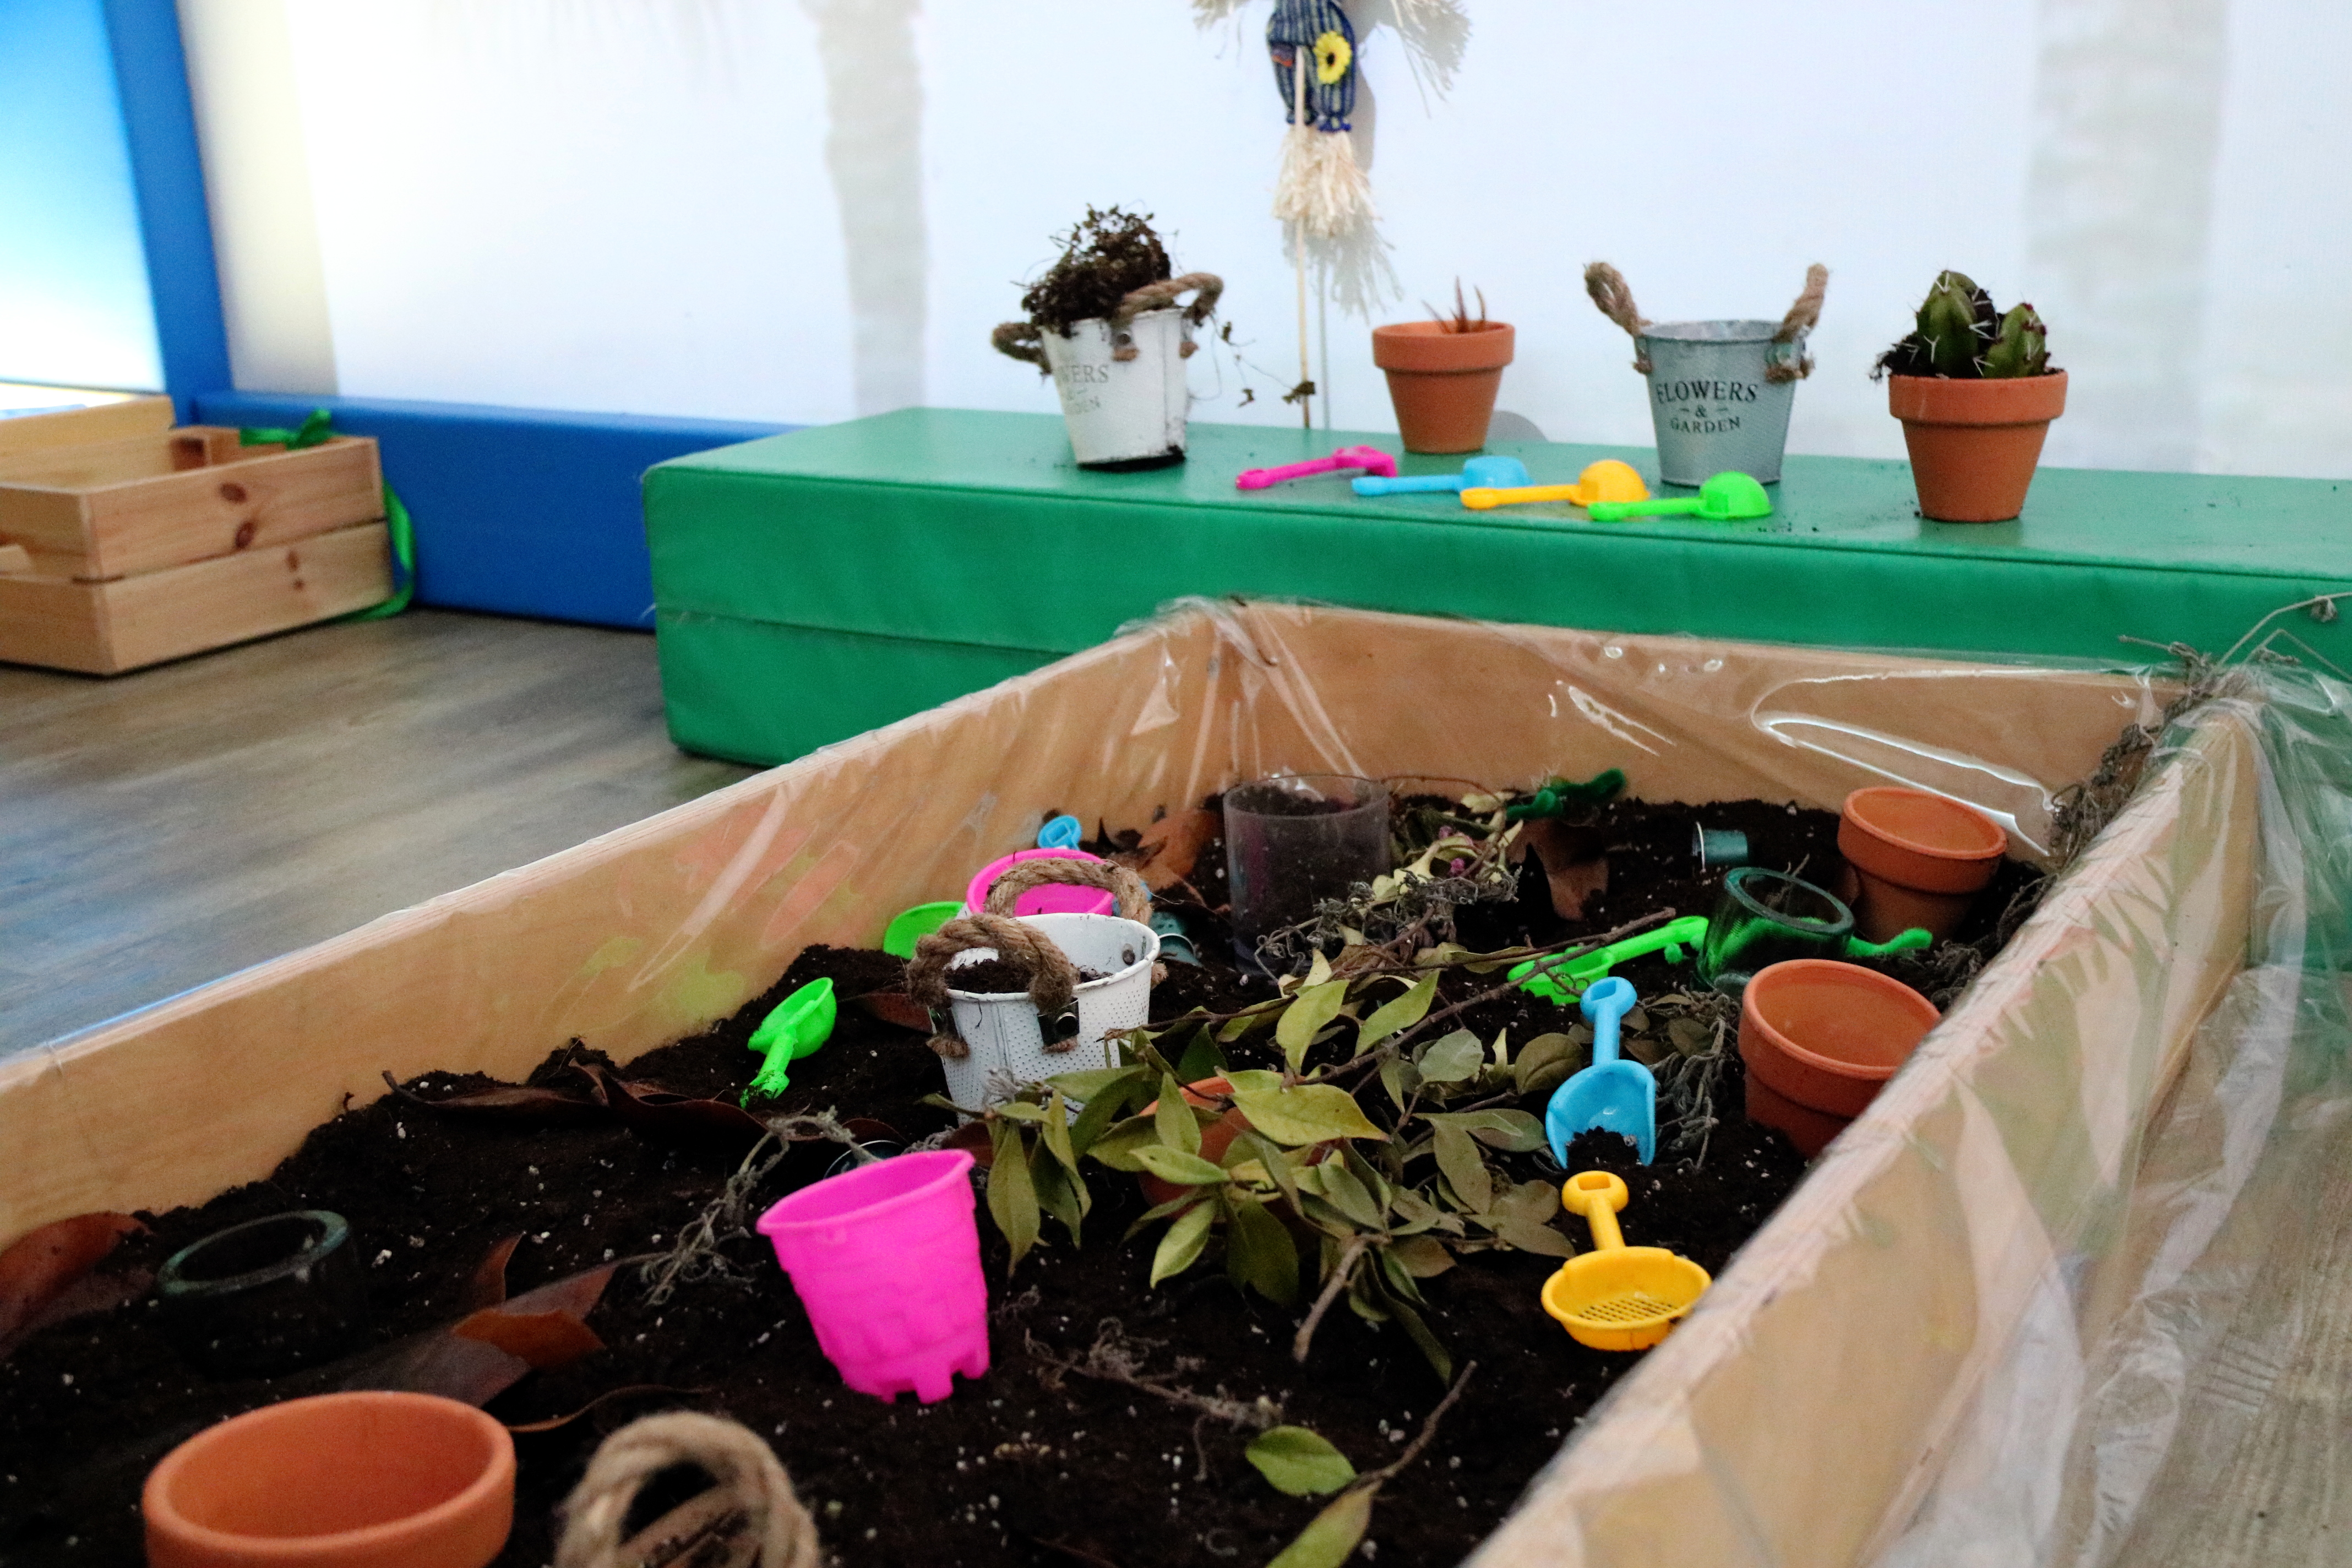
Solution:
(164, 829)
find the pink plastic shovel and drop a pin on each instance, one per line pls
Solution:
(1371, 460)
(886, 1259)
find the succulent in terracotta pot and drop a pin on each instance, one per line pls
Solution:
(1443, 375)
(1975, 393)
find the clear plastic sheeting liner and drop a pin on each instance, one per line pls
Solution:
(1809, 1399)
(2176, 1387)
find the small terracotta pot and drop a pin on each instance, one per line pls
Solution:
(1215, 1138)
(1443, 384)
(1821, 1039)
(371, 1479)
(1975, 444)
(1918, 859)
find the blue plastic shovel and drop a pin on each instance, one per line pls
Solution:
(1503, 473)
(1612, 1095)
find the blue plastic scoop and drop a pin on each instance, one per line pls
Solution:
(1502, 473)
(1612, 1095)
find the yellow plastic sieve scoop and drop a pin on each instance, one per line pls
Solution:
(1606, 480)
(1618, 1297)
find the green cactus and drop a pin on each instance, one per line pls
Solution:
(2020, 348)
(1962, 334)
(1947, 324)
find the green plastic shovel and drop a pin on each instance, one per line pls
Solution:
(799, 1025)
(1723, 499)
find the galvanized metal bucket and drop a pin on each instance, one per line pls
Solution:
(1123, 412)
(1711, 403)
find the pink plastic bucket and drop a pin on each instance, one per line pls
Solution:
(886, 1260)
(1046, 900)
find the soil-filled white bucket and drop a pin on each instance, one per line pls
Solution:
(1122, 412)
(1711, 403)
(1006, 1037)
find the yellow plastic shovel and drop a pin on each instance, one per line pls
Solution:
(1606, 480)
(1618, 1297)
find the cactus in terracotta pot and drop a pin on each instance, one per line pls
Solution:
(1975, 393)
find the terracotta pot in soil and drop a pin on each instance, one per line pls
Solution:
(1917, 858)
(1443, 382)
(1215, 1138)
(372, 1479)
(1975, 444)
(1820, 1039)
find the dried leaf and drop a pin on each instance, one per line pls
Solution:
(1314, 1007)
(511, 1101)
(472, 1371)
(1170, 847)
(538, 1339)
(1690, 1036)
(1465, 1167)
(1311, 1113)
(487, 1287)
(1400, 1078)
(1259, 1254)
(1575, 862)
(1012, 1196)
(1539, 1239)
(1397, 1014)
(1546, 1061)
(1330, 1537)
(1176, 1166)
(1513, 1131)
(653, 1110)
(1647, 1050)
(1298, 1462)
(1172, 1118)
(895, 1007)
(1351, 1197)
(40, 1269)
(1180, 1247)
(1456, 1057)
(555, 1422)
(1423, 1256)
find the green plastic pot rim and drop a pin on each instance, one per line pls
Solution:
(1736, 881)
(329, 1231)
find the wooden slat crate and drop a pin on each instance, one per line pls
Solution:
(124, 543)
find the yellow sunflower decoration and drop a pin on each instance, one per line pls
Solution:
(1332, 55)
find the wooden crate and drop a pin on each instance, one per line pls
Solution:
(124, 543)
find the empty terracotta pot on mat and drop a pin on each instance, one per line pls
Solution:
(1974, 445)
(1443, 382)
(1918, 859)
(372, 1479)
(1821, 1039)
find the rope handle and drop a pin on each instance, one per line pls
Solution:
(1804, 316)
(1615, 298)
(751, 1513)
(1205, 287)
(1053, 978)
(1129, 895)
(1019, 340)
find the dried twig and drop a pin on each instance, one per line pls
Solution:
(1332, 1288)
(1422, 1438)
(1114, 1358)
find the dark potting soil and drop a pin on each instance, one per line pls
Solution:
(1027, 1466)
(995, 977)
(1105, 258)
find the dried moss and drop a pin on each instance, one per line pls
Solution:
(1107, 257)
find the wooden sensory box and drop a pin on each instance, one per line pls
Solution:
(125, 542)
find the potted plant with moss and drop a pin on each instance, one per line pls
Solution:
(1104, 324)
(1974, 389)
(1443, 375)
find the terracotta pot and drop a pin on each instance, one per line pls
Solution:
(1918, 859)
(1443, 384)
(1974, 444)
(1215, 1138)
(342, 1480)
(1821, 1039)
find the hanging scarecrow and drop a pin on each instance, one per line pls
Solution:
(1322, 191)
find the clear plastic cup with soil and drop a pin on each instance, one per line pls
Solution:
(1293, 841)
(264, 1296)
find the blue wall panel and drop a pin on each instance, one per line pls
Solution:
(74, 302)
(519, 511)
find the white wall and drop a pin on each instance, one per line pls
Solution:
(800, 212)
